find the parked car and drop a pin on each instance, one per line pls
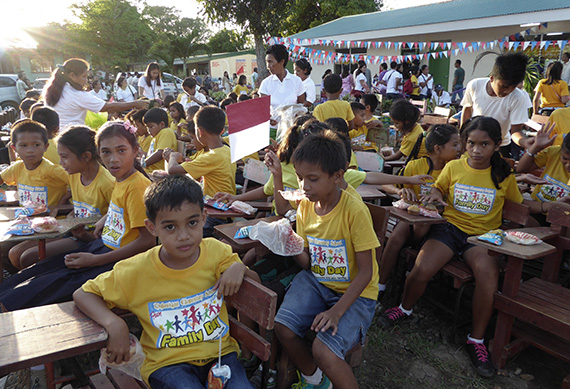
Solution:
(8, 91)
(40, 83)
(172, 84)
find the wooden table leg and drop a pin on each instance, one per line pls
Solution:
(50, 375)
(41, 249)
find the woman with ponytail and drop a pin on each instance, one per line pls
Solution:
(65, 92)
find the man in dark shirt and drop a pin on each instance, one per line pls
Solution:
(458, 78)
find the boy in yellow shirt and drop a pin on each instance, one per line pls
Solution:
(50, 119)
(333, 107)
(360, 132)
(336, 293)
(156, 120)
(187, 272)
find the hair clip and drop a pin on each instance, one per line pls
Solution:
(129, 127)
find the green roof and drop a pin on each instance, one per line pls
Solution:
(209, 57)
(450, 11)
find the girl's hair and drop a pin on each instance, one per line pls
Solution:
(180, 110)
(152, 66)
(136, 115)
(111, 129)
(79, 139)
(304, 65)
(337, 124)
(361, 63)
(242, 78)
(345, 71)
(553, 72)
(404, 111)
(60, 76)
(500, 169)
(304, 125)
(423, 67)
(327, 72)
(437, 135)
(95, 82)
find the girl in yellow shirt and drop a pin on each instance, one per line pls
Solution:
(405, 117)
(241, 87)
(178, 116)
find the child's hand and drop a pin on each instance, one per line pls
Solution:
(325, 320)
(80, 260)
(273, 163)
(224, 197)
(435, 196)
(419, 179)
(80, 233)
(167, 152)
(533, 180)
(230, 281)
(99, 227)
(176, 155)
(357, 148)
(407, 194)
(118, 342)
(542, 139)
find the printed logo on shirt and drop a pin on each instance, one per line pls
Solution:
(473, 199)
(188, 320)
(81, 209)
(151, 148)
(553, 191)
(33, 194)
(114, 228)
(329, 261)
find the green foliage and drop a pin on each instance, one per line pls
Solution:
(532, 76)
(218, 96)
(227, 41)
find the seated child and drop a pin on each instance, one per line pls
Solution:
(191, 96)
(334, 107)
(50, 119)
(156, 120)
(135, 117)
(25, 106)
(405, 117)
(178, 118)
(561, 119)
(360, 132)
(336, 301)
(186, 271)
(370, 102)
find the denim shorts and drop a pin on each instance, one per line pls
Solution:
(307, 297)
(450, 236)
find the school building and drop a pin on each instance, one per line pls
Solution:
(464, 29)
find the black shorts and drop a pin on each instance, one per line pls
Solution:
(451, 236)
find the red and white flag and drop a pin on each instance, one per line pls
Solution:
(248, 126)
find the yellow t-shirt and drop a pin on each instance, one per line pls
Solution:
(409, 141)
(217, 169)
(196, 154)
(241, 89)
(126, 212)
(351, 191)
(550, 94)
(561, 117)
(360, 134)
(45, 185)
(333, 109)
(554, 172)
(475, 206)
(289, 179)
(181, 317)
(416, 91)
(144, 142)
(174, 126)
(164, 139)
(93, 199)
(333, 240)
(353, 161)
(51, 152)
(420, 166)
(355, 178)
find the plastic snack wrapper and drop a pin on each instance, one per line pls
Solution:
(219, 374)
(293, 195)
(242, 232)
(291, 215)
(2, 195)
(278, 237)
(427, 210)
(240, 206)
(520, 237)
(216, 204)
(30, 208)
(493, 236)
(358, 140)
(20, 226)
(45, 224)
(132, 367)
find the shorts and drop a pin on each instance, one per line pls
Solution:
(450, 236)
(307, 297)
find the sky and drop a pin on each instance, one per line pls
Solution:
(35, 13)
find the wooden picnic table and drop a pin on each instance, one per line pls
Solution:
(228, 231)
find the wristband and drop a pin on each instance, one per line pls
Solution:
(529, 153)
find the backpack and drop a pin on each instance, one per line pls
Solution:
(408, 87)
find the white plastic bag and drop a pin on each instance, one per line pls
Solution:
(134, 364)
(286, 115)
(278, 237)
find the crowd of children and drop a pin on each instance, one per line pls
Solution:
(107, 174)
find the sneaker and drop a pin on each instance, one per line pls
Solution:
(270, 378)
(302, 384)
(480, 358)
(250, 364)
(391, 317)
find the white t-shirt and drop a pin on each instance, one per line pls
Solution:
(309, 86)
(187, 102)
(282, 92)
(150, 92)
(566, 72)
(390, 77)
(509, 110)
(102, 94)
(74, 104)
(429, 84)
(441, 101)
(126, 95)
(361, 77)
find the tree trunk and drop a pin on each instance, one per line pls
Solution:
(260, 55)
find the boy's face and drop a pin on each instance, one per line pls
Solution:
(501, 88)
(30, 147)
(141, 128)
(359, 118)
(154, 128)
(189, 91)
(195, 142)
(316, 183)
(180, 231)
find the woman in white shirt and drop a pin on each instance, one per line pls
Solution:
(150, 85)
(360, 87)
(65, 93)
(125, 92)
(426, 83)
(303, 71)
(98, 90)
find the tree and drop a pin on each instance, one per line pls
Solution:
(227, 41)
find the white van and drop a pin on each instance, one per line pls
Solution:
(172, 85)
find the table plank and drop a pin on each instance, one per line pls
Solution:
(403, 214)
(228, 231)
(370, 192)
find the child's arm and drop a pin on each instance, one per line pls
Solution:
(174, 160)
(274, 166)
(154, 158)
(303, 259)
(64, 199)
(330, 318)
(118, 343)
(252, 195)
(530, 179)
(230, 280)
(377, 178)
(541, 141)
(435, 196)
(394, 156)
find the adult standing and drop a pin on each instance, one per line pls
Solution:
(550, 93)
(255, 79)
(566, 67)
(150, 85)
(361, 87)
(226, 83)
(383, 70)
(393, 79)
(347, 81)
(65, 93)
(458, 79)
(426, 83)
(98, 90)
(303, 70)
(22, 85)
(125, 93)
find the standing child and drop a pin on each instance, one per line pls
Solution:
(405, 117)
(186, 271)
(50, 119)
(337, 300)
(120, 234)
(334, 107)
(476, 189)
(156, 120)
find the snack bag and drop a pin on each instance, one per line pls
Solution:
(20, 226)
(2, 195)
(493, 236)
(216, 204)
(132, 367)
(293, 195)
(29, 208)
(520, 237)
(45, 224)
(278, 237)
(240, 206)
(358, 140)
(242, 232)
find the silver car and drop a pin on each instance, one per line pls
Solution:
(172, 84)
(8, 91)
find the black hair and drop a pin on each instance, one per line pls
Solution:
(279, 52)
(304, 65)
(243, 97)
(210, 119)
(424, 67)
(553, 72)
(345, 140)
(179, 108)
(170, 193)
(371, 100)
(189, 82)
(156, 115)
(337, 124)
(302, 126)
(500, 169)
(242, 78)
(437, 135)
(233, 96)
(32, 94)
(191, 111)
(326, 73)
(111, 129)
(136, 115)
(404, 111)
(458, 61)
(150, 67)
(566, 144)
(60, 76)
(356, 106)
(120, 80)
(168, 100)
(48, 117)
(226, 102)
(332, 83)
(393, 65)
(510, 68)
(28, 126)
(384, 65)
(415, 70)
(26, 104)
(324, 149)
(359, 71)
(79, 139)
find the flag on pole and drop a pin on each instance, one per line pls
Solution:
(248, 124)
